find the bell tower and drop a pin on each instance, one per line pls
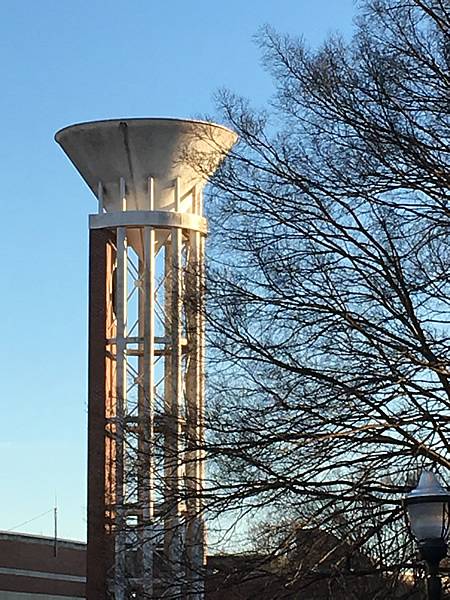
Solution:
(146, 532)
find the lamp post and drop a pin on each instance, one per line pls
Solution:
(428, 509)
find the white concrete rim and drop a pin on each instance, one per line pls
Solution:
(159, 219)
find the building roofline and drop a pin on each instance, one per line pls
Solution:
(40, 539)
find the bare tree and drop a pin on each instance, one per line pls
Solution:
(329, 295)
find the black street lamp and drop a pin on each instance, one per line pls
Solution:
(428, 508)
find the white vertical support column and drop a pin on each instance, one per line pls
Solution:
(200, 525)
(176, 546)
(177, 202)
(147, 402)
(123, 196)
(172, 402)
(202, 360)
(202, 357)
(200, 202)
(121, 392)
(202, 531)
(169, 575)
(151, 193)
(202, 390)
(100, 198)
(195, 546)
(147, 447)
(197, 200)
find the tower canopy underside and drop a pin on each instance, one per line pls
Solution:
(134, 150)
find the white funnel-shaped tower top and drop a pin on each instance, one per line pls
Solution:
(125, 154)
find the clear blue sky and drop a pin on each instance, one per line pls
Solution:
(61, 62)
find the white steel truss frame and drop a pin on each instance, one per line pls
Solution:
(155, 410)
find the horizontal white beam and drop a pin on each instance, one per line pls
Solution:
(161, 219)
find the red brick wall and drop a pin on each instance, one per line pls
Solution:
(23, 555)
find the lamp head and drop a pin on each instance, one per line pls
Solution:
(428, 510)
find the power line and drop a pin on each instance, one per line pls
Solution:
(31, 520)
